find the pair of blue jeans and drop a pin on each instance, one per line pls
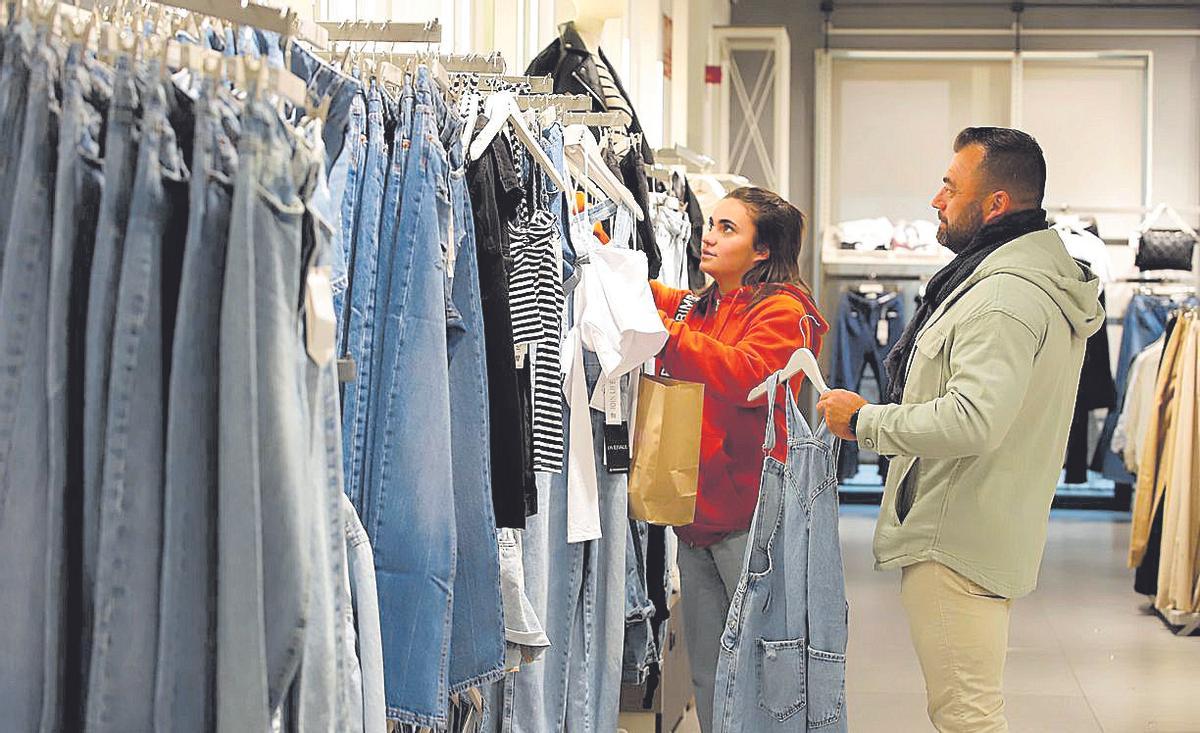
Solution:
(86, 89)
(120, 161)
(264, 522)
(121, 680)
(641, 648)
(405, 505)
(357, 336)
(782, 658)
(366, 708)
(857, 346)
(345, 145)
(578, 590)
(184, 682)
(14, 91)
(320, 696)
(25, 599)
(477, 629)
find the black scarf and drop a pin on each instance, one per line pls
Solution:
(989, 239)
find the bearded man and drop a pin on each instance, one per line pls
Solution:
(982, 391)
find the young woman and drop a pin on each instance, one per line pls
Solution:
(742, 328)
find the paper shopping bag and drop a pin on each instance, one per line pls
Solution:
(666, 451)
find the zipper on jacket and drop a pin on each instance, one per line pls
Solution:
(589, 90)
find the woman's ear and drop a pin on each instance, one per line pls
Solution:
(761, 255)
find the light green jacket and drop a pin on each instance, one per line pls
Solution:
(980, 436)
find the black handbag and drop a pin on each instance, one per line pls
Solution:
(1165, 249)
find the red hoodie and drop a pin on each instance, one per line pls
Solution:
(730, 350)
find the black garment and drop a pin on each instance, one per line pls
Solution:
(696, 217)
(1097, 390)
(855, 347)
(633, 173)
(496, 193)
(989, 239)
(573, 67)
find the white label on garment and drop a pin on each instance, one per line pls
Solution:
(521, 351)
(881, 332)
(319, 319)
(612, 402)
(451, 250)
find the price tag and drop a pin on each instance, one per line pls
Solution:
(616, 448)
(320, 321)
(521, 352)
(881, 331)
(612, 402)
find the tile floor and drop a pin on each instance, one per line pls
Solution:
(1083, 655)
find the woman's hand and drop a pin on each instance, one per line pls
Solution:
(837, 406)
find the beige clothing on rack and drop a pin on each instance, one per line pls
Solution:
(1139, 403)
(1181, 507)
(1151, 481)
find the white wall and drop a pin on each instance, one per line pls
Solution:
(1175, 172)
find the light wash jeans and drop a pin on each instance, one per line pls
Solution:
(405, 498)
(121, 680)
(578, 589)
(184, 690)
(709, 577)
(782, 663)
(87, 90)
(24, 284)
(265, 525)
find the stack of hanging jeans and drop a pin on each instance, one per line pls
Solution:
(868, 327)
(415, 416)
(174, 545)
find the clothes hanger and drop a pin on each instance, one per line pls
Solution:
(580, 146)
(502, 110)
(802, 361)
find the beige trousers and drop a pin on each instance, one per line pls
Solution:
(960, 631)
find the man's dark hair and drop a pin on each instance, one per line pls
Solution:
(1012, 161)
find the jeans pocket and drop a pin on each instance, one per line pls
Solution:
(826, 687)
(781, 688)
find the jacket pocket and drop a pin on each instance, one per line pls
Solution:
(926, 374)
(906, 492)
(826, 687)
(781, 689)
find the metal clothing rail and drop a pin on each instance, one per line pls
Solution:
(384, 32)
(283, 21)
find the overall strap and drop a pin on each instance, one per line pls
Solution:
(772, 388)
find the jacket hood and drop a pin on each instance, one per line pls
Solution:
(1041, 258)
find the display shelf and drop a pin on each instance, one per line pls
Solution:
(881, 264)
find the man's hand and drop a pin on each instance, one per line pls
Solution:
(837, 405)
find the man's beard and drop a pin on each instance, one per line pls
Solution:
(956, 238)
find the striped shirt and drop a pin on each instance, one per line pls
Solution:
(537, 302)
(613, 99)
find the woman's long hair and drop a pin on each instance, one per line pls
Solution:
(779, 231)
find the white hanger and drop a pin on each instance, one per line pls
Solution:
(502, 110)
(802, 361)
(1172, 214)
(584, 152)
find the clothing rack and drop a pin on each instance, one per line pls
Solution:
(564, 102)
(686, 155)
(283, 21)
(614, 118)
(385, 32)
(537, 84)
